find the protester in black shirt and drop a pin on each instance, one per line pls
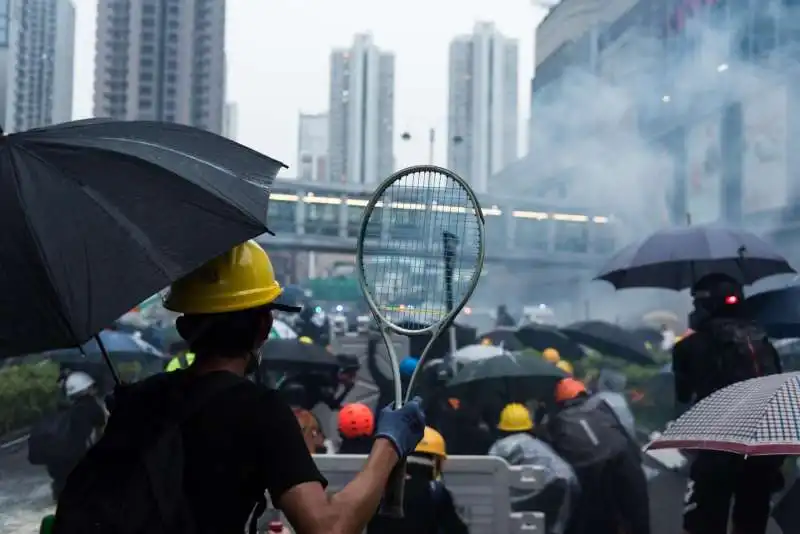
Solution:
(245, 440)
(724, 348)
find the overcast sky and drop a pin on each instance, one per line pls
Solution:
(278, 56)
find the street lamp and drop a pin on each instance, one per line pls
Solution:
(456, 140)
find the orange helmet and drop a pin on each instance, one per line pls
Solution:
(568, 389)
(356, 420)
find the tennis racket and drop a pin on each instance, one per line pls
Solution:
(419, 258)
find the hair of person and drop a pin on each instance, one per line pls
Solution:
(224, 335)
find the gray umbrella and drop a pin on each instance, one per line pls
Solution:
(678, 257)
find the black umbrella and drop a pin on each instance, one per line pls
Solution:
(121, 345)
(99, 215)
(292, 354)
(465, 335)
(679, 257)
(519, 377)
(777, 311)
(502, 337)
(609, 339)
(541, 337)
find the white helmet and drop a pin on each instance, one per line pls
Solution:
(77, 383)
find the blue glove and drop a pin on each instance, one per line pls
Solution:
(404, 427)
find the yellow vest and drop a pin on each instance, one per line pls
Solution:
(177, 362)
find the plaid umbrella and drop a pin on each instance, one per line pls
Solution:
(755, 417)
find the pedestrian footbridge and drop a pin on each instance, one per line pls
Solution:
(544, 232)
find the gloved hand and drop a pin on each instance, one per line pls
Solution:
(404, 427)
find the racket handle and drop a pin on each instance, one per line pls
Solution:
(392, 503)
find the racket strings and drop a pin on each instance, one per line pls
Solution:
(423, 231)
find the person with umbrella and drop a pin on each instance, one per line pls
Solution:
(59, 442)
(724, 348)
(328, 385)
(606, 461)
(212, 442)
(559, 488)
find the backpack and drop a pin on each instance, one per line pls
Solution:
(586, 434)
(142, 492)
(742, 352)
(52, 440)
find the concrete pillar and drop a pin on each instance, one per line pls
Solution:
(300, 214)
(343, 217)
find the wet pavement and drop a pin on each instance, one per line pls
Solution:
(24, 493)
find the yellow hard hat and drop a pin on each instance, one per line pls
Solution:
(305, 340)
(240, 279)
(432, 443)
(515, 418)
(565, 366)
(551, 355)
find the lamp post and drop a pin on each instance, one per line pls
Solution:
(455, 140)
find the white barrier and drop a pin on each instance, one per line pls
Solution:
(480, 486)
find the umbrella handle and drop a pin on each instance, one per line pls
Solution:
(108, 361)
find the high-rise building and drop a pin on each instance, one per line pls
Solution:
(40, 37)
(482, 109)
(361, 113)
(230, 120)
(312, 147)
(161, 60)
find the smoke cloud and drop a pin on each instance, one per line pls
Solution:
(612, 129)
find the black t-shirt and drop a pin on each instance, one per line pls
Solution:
(245, 441)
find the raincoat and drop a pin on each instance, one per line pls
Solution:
(610, 388)
(560, 486)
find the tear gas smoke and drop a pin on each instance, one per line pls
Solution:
(610, 127)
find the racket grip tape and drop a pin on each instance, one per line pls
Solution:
(392, 503)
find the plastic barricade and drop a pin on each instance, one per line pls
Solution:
(480, 486)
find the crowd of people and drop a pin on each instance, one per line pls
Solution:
(197, 448)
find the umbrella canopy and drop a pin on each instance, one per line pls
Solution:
(679, 257)
(518, 377)
(98, 215)
(120, 345)
(281, 330)
(609, 339)
(541, 337)
(165, 337)
(656, 318)
(755, 417)
(502, 337)
(290, 354)
(777, 311)
(474, 353)
(465, 335)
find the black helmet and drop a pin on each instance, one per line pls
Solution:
(717, 293)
